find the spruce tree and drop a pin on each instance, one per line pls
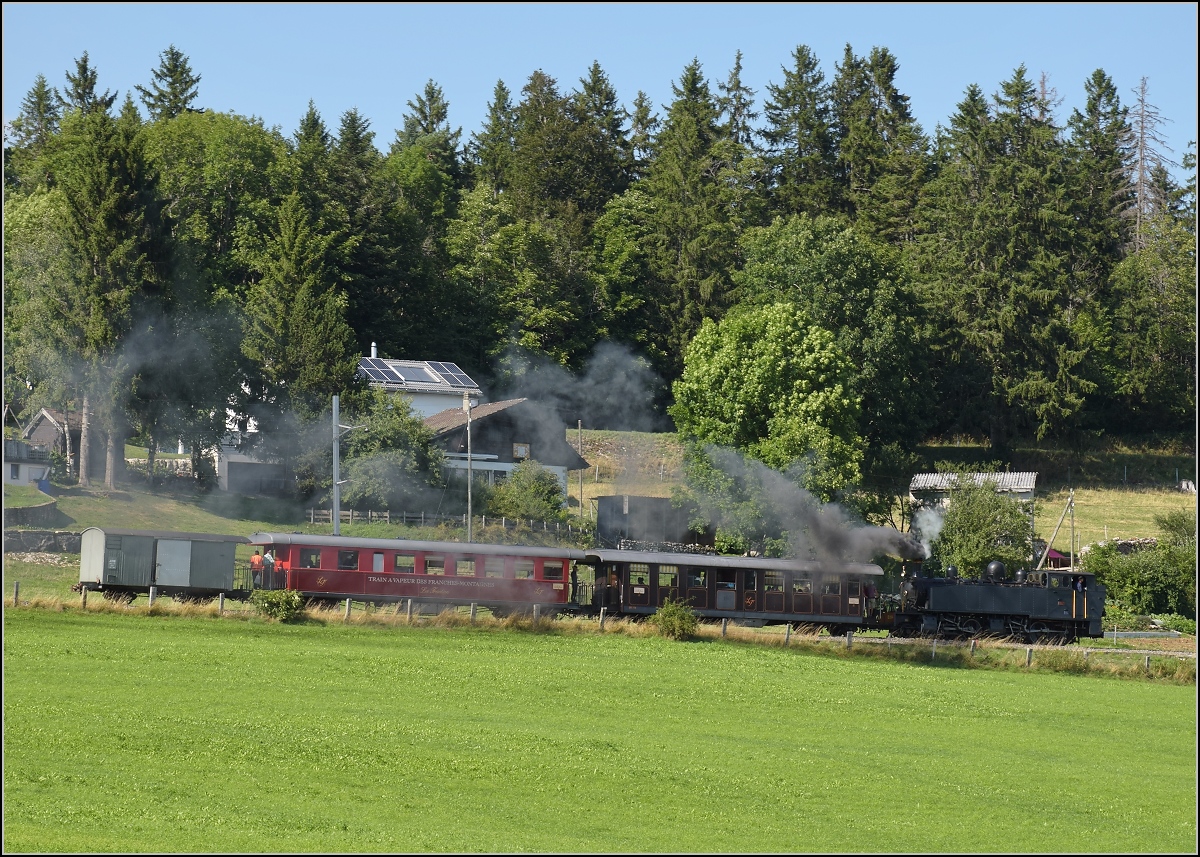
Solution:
(32, 130)
(80, 93)
(799, 137)
(492, 148)
(174, 87)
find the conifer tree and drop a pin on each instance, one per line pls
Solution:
(800, 142)
(736, 103)
(492, 148)
(32, 130)
(174, 87)
(644, 125)
(80, 93)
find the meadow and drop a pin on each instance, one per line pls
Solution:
(141, 732)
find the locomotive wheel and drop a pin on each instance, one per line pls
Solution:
(971, 626)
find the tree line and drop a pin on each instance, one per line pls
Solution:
(811, 275)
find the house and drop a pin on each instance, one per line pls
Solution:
(933, 489)
(652, 520)
(503, 434)
(61, 432)
(240, 471)
(25, 463)
(431, 386)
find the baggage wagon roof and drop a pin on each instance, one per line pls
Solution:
(167, 534)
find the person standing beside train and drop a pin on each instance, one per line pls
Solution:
(269, 569)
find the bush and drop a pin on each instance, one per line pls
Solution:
(675, 620)
(281, 604)
(1175, 622)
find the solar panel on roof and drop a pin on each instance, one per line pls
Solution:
(385, 371)
(452, 373)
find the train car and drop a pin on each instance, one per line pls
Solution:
(1059, 605)
(503, 578)
(123, 563)
(753, 591)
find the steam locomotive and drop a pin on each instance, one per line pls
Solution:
(840, 597)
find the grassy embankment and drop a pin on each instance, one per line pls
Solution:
(185, 733)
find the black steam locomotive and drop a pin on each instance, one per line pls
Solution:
(1054, 605)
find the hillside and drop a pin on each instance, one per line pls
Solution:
(1106, 505)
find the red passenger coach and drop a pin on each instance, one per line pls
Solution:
(504, 578)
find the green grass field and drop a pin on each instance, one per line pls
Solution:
(134, 732)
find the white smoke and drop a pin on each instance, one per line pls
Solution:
(927, 524)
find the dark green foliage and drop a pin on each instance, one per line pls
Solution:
(801, 149)
(675, 620)
(80, 93)
(981, 525)
(531, 492)
(174, 86)
(390, 462)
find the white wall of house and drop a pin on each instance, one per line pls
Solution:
(498, 470)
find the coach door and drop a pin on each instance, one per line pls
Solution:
(697, 587)
(772, 592)
(639, 584)
(668, 584)
(726, 588)
(750, 601)
(853, 598)
(802, 597)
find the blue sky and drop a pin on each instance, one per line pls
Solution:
(268, 60)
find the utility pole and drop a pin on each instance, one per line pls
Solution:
(581, 471)
(466, 406)
(338, 431)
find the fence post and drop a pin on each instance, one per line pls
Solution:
(602, 609)
(849, 638)
(537, 613)
(1147, 663)
(787, 636)
(1086, 652)
(221, 603)
(16, 591)
(82, 599)
(153, 593)
(933, 657)
(889, 642)
(724, 625)
(347, 619)
(408, 615)
(1029, 656)
(472, 612)
(972, 648)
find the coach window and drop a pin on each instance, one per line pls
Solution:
(639, 574)
(310, 558)
(773, 581)
(750, 581)
(852, 587)
(435, 564)
(465, 566)
(406, 563)
(348, 560)
(668, 576)
(552, 569)
(523, 569)
(697, 578)
(832, 587)
(493, 566)
(802, 587)
(726, 579)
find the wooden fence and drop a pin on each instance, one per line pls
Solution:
(428, 519)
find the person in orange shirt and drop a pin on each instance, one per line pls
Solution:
(256, 568)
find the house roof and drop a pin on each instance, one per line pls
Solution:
(1014, 483)
(415, 376)
(58, 418)
(444, 422)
